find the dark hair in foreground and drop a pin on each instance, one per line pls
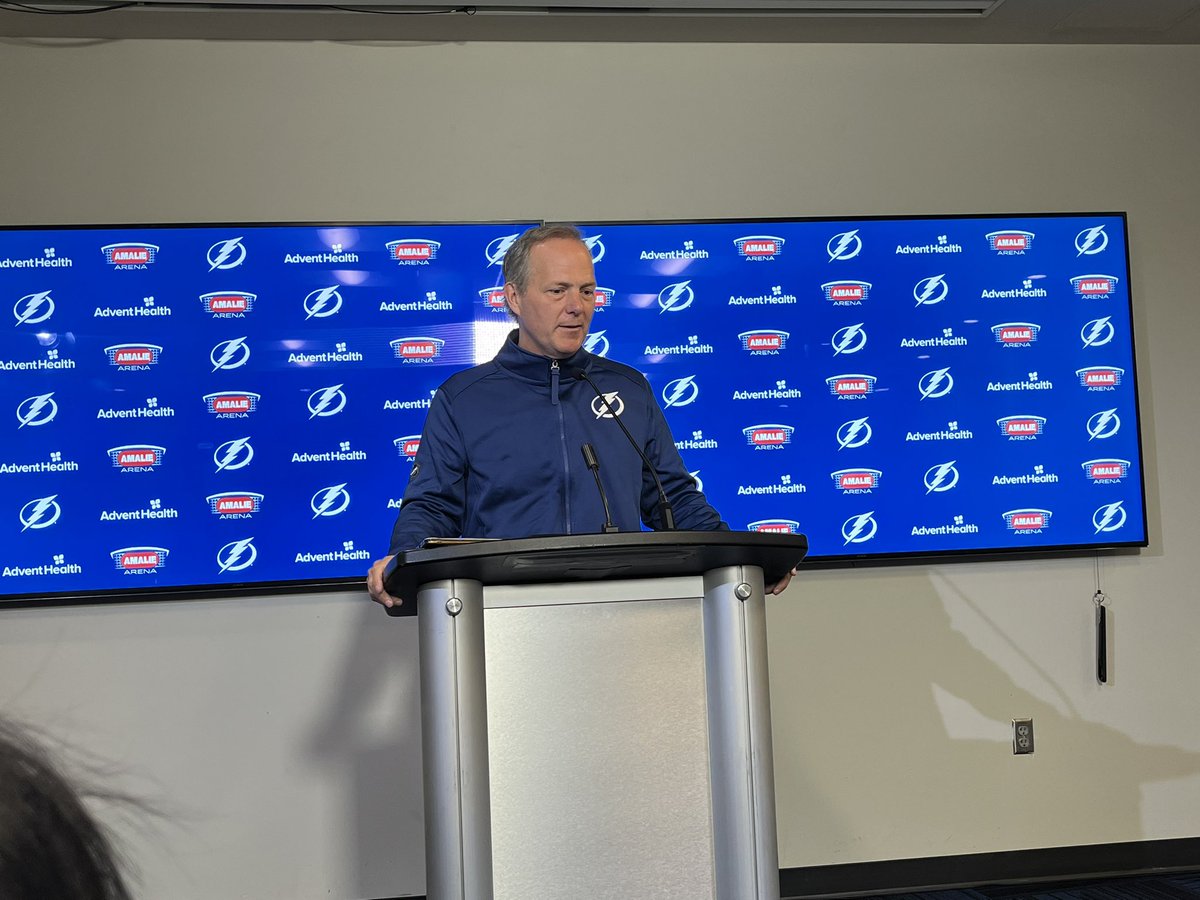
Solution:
(50, 847)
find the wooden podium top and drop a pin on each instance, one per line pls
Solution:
(592, 557)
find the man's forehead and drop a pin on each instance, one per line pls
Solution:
(562, 254)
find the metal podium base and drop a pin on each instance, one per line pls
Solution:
(613, 741)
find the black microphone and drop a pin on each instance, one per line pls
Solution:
(664, 505)
(589, 457)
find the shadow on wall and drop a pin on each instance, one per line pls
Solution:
(371, 733)
(893, 731)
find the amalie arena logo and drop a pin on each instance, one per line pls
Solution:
(851, 387)
(1010, 243)
(133, 357)
(130, 255)
(774, 526)
(417, 349)
(413, 251)
(228, 304)
(137, 457)
(139, 560)
(758, 247)
(408, 445)
(232, 404)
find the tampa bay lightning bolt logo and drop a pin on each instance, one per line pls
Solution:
(496, 250)
(1109, 517)
(596, 246)
(600, 409)
(326, 401)
(846, 245)
(237, 555)
(681, 391)
(860, 529)
(937, 383)
(322, 303)
(1103, 424)
(596, 343)
(849, 340)
(231, 354)
(1097, 332)
(676, 297)
(330, 501)
(235, 454)
(853, 434)
(40, 513)
(941, 478)
(36, 410)
(931, 290)
(34, 308)
(226, 254)
(696, 478)
(1091, 241)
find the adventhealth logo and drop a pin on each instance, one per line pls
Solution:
(689, 251)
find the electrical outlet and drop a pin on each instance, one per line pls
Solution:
(1022, 736)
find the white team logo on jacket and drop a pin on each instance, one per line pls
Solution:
(601, 410)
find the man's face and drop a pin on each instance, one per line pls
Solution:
(556, 306)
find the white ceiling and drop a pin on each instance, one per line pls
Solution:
(1013, 21)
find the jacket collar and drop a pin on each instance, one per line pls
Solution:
(535, 368)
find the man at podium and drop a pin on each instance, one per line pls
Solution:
(532, 443)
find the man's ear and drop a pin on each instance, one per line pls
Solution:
(513, 298)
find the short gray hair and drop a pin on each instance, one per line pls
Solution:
(516, 260)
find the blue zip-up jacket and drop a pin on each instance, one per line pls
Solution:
(500, 454)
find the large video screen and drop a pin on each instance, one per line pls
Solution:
(238, 406)
(222, 405)
(891, 387)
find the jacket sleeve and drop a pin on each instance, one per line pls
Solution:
(435, 500)
(692, 511)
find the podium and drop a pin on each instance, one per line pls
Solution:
(595, 714)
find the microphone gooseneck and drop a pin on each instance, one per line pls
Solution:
(593, 463)
(664, 505)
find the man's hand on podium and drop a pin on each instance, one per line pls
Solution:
(375, 584)
(779, 586)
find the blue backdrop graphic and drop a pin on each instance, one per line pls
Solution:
(226, 405)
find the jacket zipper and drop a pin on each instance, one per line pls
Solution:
(562, 438)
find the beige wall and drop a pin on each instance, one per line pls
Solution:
(280, 733)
